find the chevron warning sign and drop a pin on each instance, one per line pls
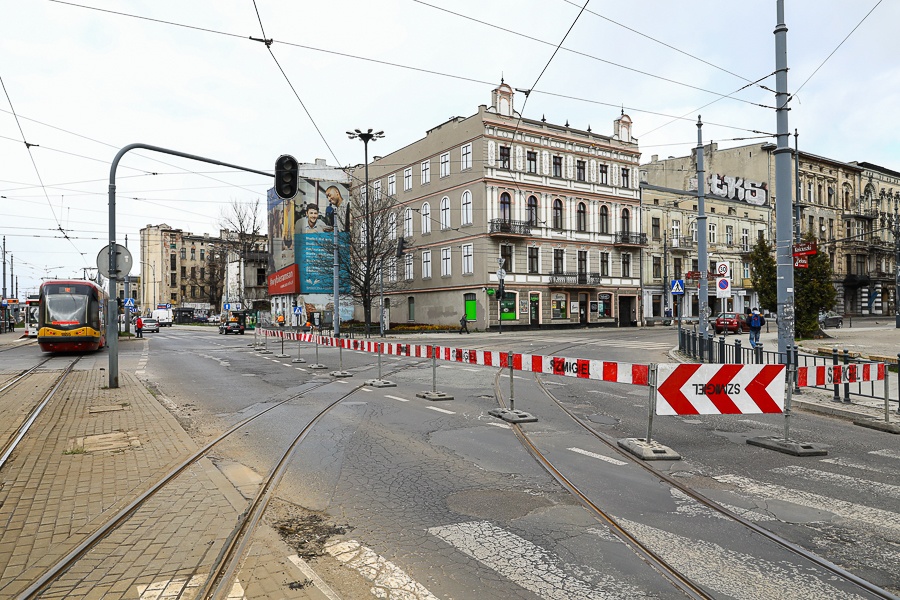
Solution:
(689, 389)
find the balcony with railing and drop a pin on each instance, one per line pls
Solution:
(630, 238)
(682, 243)
(574, 278)
(507, 227)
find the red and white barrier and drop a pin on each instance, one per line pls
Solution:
(692, 389)
(837, 374)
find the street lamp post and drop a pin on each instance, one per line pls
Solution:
(366, 137)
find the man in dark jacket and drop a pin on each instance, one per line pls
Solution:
(756, 321)
(463, 325)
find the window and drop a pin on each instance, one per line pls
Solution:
(445, 164)
(604, 219)
(426, 218)
(445, 213)
(407, 179)
(729, 235)
(193, 272)
(625, 177)
(193, 253)
(581, 217)
(505, 207)
(654, 228)
(677, 267)
(202, 254)
(626, 220)
(533, 264)
(693, 231)
(557, 214)
(559, 306)
(392, 226)
(465, 157)
(411, 309)
(506, 253)
(531, 161)
(172, 280)
(183, 271)
(604, 264)
(712, 233)
(426, 172)
(408, 266)
(745, 269)
(579, 170)
(193, 291)
(392, 185)
(559, 259)
(676, 232)
(603, 172)
(557, 166)
(183, 253)
(466, 208)
(202, 273)
(582, 265)
(377, 190)
(407, 223)
(745, 240)
(426, 264)
(626, 264)
(446, 270)
(391, 268)
(468, 260)
(504, 157)
(532, 211)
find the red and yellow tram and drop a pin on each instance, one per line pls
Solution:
(72, 316)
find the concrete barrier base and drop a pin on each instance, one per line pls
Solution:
(513, 416)
(434, 396)
(787, 446)
(645, 450)
(380, 383)
(340, 373)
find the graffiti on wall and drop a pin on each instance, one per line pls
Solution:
(736, 188)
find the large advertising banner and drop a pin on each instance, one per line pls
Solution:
(322, 216)
(280, 216)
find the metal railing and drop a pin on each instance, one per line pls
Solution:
(507, 226)
(630, 237)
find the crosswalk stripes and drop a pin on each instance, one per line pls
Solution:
(633, 344)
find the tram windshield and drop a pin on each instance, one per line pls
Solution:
(66, 305)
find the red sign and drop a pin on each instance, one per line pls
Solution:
(285, 281)
(690, 389)
(801, 262)
(805, 249)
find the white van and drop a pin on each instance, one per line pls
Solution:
(164, 316)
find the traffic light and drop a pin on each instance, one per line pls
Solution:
(286, 176)
(401, 246)
(501, 292)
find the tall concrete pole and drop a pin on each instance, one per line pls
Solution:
(702, 231)
(797, 190)
(4, 266)
(783, 188)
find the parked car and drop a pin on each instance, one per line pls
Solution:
(731, 322)
(201, 319)
(231, 327)
(830, 319)
(213, 319)
(151, 325)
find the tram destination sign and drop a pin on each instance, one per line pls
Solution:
(805, 249)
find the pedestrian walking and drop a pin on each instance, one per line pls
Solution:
(756, 322)
(464, 325)
(139, 327)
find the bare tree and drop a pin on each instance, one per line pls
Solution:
(241, 226)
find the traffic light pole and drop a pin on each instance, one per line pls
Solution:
(112, 328)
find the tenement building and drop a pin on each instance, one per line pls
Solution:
(554, 208)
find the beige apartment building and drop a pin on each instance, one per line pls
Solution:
(555, 206)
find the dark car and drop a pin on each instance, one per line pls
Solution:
(830, 319)
(731, 322)
(231, 327)
(201, 319)
(151, 325)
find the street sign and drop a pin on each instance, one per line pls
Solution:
(298, 310)
(129, 302)
(132, 310)
(677, 287)
(801, 262)
(804, 249)
(501, 274)
(691, 389)
(723, 287)
(226, 306)
(123, 261)
(723, 269)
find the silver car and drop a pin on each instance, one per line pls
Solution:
(151, 325)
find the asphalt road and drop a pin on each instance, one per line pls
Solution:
(447, 493)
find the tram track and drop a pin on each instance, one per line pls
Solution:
(220, 574)
(681, 581)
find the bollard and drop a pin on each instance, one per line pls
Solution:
(722, 349)
(797, 370)
(834, 362)
(887, 399)
(379, 358)
(434, 369)
(512, 396)
(298, 359)
(652, 402)
(738, 352)
(758, 352)
(318, 365)
(265, 350)
(282, 355)
(787, 400)
(846, 385)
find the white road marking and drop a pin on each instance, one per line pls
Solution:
(873, 488)
(390, 580)
(314, 577)
(503, 425)
(440, 410)
(734, 571)
(471, 369)
(599, 456)
(887, 453)
(285, 365)
(843, 462)
(685, 505)
(181, 587)
(301, 369)
(849, 510)
(528, 565)
(396, 398)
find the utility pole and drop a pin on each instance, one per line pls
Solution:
(896, 232)
(665, 271)
(703, 256)
(4, 266)
(797, 189)
(783, 234)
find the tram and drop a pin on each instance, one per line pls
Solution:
(72, 316)
(32, 306)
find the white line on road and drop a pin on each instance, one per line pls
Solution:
(843, 462)
(599, 456)
(389, 579)
(440, 410)
(528, 565)
(396, 398)
(887, 453)
(873, 488)
(503, 425)
(301, 369)
(314, 577)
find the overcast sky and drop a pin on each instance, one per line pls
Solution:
(85, 83)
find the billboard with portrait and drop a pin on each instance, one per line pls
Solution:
(320, 220)
(280, 217)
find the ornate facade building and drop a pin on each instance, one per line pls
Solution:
(558, 208)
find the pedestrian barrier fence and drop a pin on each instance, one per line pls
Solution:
(836, 374)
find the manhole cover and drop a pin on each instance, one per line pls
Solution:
(104, 442)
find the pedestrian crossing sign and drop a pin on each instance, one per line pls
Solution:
(677, 286)
(129, 302)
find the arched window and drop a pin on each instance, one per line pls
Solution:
(626, 220)
(392, 226)
(426, 218)
(505, 207)
(407, 222)
(445, 213)
(466, 206)
(557, 214)
(581, 217)
(604, 219)
(532, 211)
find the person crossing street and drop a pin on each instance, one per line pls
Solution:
(463, 325)
(756, 322)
